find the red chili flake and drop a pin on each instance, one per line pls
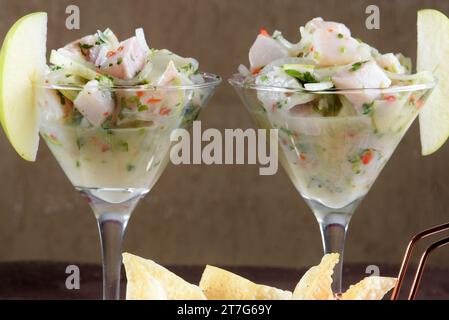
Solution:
(110, 54)
(420, 103)
(302, 157)
(284, 142)
(119, 49)
(255, 71)
(85, 197)
(311, 49)
(367, 156)
(154, 100)
(350, 134)
(106, 114)
(164, 111)
(390, 98)
(140, 94)
(330, 30)
(104, 148)
(264, 32)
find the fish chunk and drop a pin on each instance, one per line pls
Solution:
(390, 63)
(126, 61)
(330, 48)
(265, 50)
(320, 24)
(90, 47)
(367, 75)
(95, 104)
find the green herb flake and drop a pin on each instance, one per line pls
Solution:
(305, 77)
(85, 46)
(263, 78)
(356, 66)
(130, 167)
(55, 68)
(80, 142)
(123, 145)
(342, 49)
(340, 36)
(142, 107)
(78, 164)
(61, 97)
(367, 108)
(119, 61)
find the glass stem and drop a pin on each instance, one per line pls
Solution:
(112, 228)
(333, 228)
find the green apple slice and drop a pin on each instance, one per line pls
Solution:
(433, 55)
(22, 63)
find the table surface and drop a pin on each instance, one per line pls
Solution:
(46, 280)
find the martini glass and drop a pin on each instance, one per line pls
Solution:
(113, 168)
(333, 160)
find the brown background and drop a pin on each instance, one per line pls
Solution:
(221, 214)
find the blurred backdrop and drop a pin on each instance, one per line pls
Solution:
(199, 214)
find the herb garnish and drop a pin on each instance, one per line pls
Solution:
(356, 66)
(305, 77)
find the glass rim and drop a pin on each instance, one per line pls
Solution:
(211, 80)
(237, 80)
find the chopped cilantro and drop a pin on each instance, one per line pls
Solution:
(119, 61)
(340, 36)
(55, 68)
(356, 66)
(142, 107)
(305, 77)
(61, 97)
(85, 46)
(367, 108)
(123, 145)
(263, 78)
(80, 142)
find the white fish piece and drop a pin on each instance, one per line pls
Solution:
(391, 63)
(265, 50)
(159, 60)
(368, 75)
(330, 49)
(320, 24)
(75, 47)
(94, 103)
(89, 48)
(126, 61)
(293, 48)
(51, 108)
(281, 101)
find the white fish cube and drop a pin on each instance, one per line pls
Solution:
(126, 61)
(319, 23)
(368, 75)
(330, 48)
(265, 50)
(391, 63)
(94, 103)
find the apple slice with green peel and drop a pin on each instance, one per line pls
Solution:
(22, 63)
(433, 55)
